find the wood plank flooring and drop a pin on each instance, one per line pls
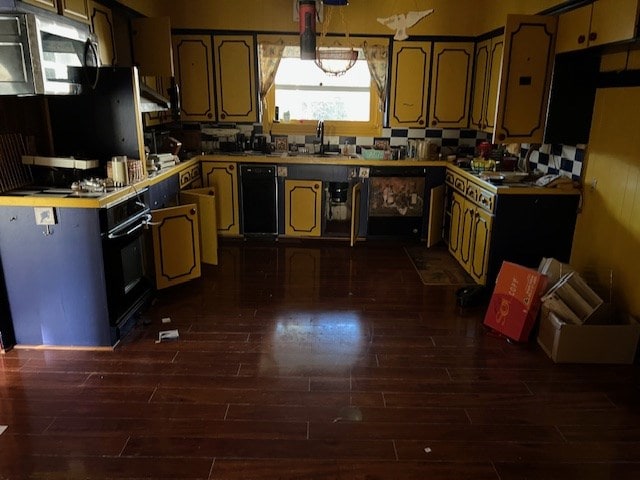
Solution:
(315, 361)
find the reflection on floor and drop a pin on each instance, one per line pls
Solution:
(315, 361)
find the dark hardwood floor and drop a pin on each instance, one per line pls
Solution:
(315, 361)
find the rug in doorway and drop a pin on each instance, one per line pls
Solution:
(436, 266)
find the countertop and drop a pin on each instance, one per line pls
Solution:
(33, 197)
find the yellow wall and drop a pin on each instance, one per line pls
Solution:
(607, 237)
(451, 17)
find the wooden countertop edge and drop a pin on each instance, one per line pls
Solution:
(124, 192)
(513, 190)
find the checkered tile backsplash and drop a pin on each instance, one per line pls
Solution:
(564, 160)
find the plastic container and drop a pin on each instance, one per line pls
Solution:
(372, 154)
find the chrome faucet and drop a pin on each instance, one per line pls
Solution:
(320, 135)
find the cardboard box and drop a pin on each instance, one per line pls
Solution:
(573, 300)
(515, 302)
(554, 270)
(568, 343)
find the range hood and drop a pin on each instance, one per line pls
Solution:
(152, 101)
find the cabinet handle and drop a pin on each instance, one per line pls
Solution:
(192, 211)
(316, 186)
(581, 39)
(420, 122)
(210, 115)
(230, 168)
(502, 136)
(593, 36)
(223, 116)
(434, 123)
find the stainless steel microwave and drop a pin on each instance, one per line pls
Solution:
(36, 53)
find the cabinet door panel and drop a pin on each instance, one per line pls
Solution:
(573, 29)
(455, 230)
(102, 27)
(480, 249)
(176, 246)
(466, 241)
(525, 76)
(224, 178)
(493, 83)
(76, 9)
(303, 206)
(235, 78)
(450, 84)
(151, 40)
(480, 77)
(204, 198)
(51, 5)
(613, 21)
(194, 73)
(355, 212)
(409, 75)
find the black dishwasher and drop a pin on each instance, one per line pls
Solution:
(258, 189)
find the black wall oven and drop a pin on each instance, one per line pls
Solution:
(128, 283)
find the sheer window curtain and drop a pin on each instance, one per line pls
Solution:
(377, 57)
(269, 55)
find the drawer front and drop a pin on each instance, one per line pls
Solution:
(486, 200)
(189, 175)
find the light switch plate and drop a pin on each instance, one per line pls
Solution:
(282, 171)
(364, 172)
(45, 215)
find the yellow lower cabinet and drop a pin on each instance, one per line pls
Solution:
(205, 199)
(455, 227)
(303, 208)
(176, 245)
(482, 222)
(223, 177)
(466, 240)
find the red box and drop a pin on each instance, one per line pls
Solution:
(515, 301)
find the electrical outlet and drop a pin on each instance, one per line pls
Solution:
(45, 215)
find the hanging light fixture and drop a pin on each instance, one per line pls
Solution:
(335, 60)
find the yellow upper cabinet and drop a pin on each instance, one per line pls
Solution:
(410, 68)
(451, 84)
(102, 27)
(525, 77)
(75, 9)
(602, 22)
(486, 82)
(151, 41)
(194, 74)
(234, 57)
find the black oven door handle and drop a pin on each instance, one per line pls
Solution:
(114, 236)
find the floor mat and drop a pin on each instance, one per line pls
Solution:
(436, 266)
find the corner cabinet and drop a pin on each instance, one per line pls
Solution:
(223, 177)
(303, 208)
(488, 225)
(599, 23)
(235, 71)
(525, 77)
(101, 22)
(194, 74)
(410, 71)
(451, 85)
